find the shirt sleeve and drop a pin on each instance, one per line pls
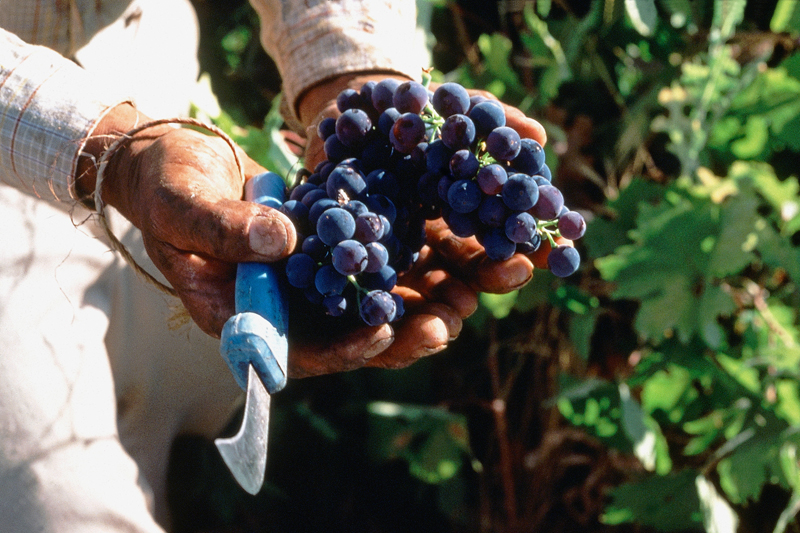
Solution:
(48, 108)
(319, 39)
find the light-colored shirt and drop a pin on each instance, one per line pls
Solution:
(49, 105)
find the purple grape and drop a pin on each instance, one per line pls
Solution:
(326, 128)
(301, 190)
(464, 196)
(352, 128)
(383, 94)
(383, 182)
(503, 143)
(445, 182)
(498, 247)
(335, 225)
(369, 227)
(384, 279)
(458, 132)
(437, 156)
(355, 207)
(377, 308)
(549, 204)
(545, 172)
(530, 158)
(491, 178)
(408, 131)
(464, 164)
(450, 99)
(313, 196)
(348, 99)
(493, 212)
(335, 149)
(487, 116)
(563, 260)
(319, 207)
(410, 97)
(572, 225)
(531, 245)
(377, 257)
(520, 227)
(387, 120)
(345, 179)
(314, 247)
(300, 270)
(328, 281)
(520, 192)
(349, 257)
(462, 225)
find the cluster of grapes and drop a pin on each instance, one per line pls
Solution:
(398, 155)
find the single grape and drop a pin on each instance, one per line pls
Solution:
(464, 164)
(381, 181)
(572, 225)
(503, 143)
(549, 204)
(300, 270)
(335, 149)
(377, 257)
(349, 257)
(313, 196)
(328, 281)
(335, 225)
(383, 94)
(437, 156)
(407, 132)
(352, 128)
(369, 227)
(563, 260)
(384, 279)
(493, 211)
(355, 207)
(313, 246)
(326, 128)
(345, 179)
(410, 97)
(487, 116)
(348, 99)
(450, 99)
(498, 247)
(458, 132)
(445, 182)
(520, 227)
(464, 196)
(530, 158)
(387, 120)
(377, 308)
(520, 192)
(491, 178)
(462, 225)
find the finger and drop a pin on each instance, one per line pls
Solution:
(346, 353)
(206, 286)
(416, 336)
(468, 258)
(428, 278)
(525, 126)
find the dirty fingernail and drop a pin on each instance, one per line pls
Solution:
(269, 236)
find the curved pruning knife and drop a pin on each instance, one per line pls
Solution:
(254, 345)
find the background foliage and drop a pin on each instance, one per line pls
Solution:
(656, 390)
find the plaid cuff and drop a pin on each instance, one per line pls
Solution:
(48, 107)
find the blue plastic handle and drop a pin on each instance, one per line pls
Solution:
(256, 334)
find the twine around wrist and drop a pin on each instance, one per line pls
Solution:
(102, 163)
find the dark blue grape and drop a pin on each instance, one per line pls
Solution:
(301, 190)
(458, 132)
(349, 257)
(300, 270)
(326, 127)
(377, 308)
(491, 178)
(296, 211)
(445, 182)
(563, 260)
(387, 120)
(464, 196)
(377, 257)
(313, 196)
(319, 207)
(369, 228)
(520, 227)
(498, 247)
(487, 116)
(400, 305)
(462, 225)
(313, 246)
(427, 187)
(503, 143)
(464, 164)
(572, 225)
(520, 192)
(549, 204)
(383, 94)
(348, 99)
(328, 281)
(493, 212)
(408, 131)
(345, 179)
(355, 207)
(352, 128)
(545, 172)
(335, 149)
(530, 158)
(450, 99)
(383, 182)
(438, 156)
(335, 225)
(410, 97)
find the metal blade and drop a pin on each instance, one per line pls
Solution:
(246, 452)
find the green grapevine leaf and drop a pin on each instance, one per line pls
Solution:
(666, 503)
(786, 17)
(643, 15)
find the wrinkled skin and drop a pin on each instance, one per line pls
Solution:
(184, 192)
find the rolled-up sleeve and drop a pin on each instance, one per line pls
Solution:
(48, 108)
(314, 40)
